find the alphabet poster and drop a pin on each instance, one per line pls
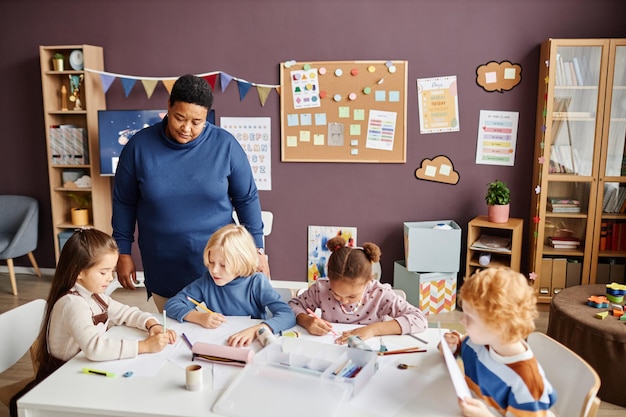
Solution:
(254, 136)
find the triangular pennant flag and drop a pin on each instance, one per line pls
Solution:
(169, 83)
(244, 87)
(107, 80)
(211, 80)
(263, 93)
(278, 90)
(225, 79)
(128, 84)
(149, 86)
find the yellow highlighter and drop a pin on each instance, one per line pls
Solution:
(97, 372)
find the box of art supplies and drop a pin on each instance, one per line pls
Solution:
(285, 376)
(432, 246)
(432, 292)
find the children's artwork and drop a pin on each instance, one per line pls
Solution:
(319, 253)
(254, 136)
(498, 76)
(438, 103)
(497, 136)
(438, 169)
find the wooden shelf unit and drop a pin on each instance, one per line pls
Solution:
(512, 229)
(579, 155)
(92, 99)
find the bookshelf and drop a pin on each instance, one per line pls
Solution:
(580, 165)
(508, 256)
(71, 122)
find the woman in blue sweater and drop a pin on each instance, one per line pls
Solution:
(231, 287)
(179, 181)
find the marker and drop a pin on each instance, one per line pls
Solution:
(97, 372)
(164, 322)
(312, 314)
(200, 305)
(187, 341)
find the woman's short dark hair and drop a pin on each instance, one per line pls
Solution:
(192, 89)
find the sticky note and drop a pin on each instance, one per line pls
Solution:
(394, 96)
(344, 112)
(320, 119)
(445, 169)
(318, 139)
(354, 142)
(292, 120)
(430, 171)
(305, 136)
(305, 119)
(292, 141)
(380, 95)
(354, 151)
(359, 114)
(491, 77)
(355, 130)
(509, 73)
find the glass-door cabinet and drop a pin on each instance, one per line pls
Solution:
(609, 253)
(569, 154)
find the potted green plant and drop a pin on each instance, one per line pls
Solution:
(57, 62)
(80, 211)
(498, 200)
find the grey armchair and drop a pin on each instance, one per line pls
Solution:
(19, 218)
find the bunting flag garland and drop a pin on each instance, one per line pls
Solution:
(149, 86)
(150, 83)
(244, 87)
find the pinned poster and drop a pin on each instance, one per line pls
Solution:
(305, 88)
(254, 136)
(438, 104)
(497, 137)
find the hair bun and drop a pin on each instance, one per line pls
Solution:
(335, 243)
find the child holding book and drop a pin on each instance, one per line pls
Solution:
(499, 309)
(232, 287)
(350, 295)
(78, 312)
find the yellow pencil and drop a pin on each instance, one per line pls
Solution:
(199, 305)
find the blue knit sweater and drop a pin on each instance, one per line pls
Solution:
(179, 194)
(243, 296)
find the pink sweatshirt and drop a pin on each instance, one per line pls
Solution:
(380, 303)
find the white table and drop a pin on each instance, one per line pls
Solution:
(68, 392)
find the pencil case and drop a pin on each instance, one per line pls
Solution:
(226, 355)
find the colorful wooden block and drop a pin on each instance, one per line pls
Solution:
(602, 315)
(615, 298)
(615, 289)
(598, 301)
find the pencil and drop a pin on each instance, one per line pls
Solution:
(312, 314)
(401, 351)
(200, 305)
(418, 338)
(187, 341)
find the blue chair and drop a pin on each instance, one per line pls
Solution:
(19, 218)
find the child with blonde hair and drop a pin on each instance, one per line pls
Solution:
(232, 287)
(499, 309)
(350, 295)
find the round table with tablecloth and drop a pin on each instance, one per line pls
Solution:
(602, 343)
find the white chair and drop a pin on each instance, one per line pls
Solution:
(268, 222)
(19, 327)
(286, 294)
(574, 380)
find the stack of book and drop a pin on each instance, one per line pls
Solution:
(564, 242)
(613, 235)
(563, 205)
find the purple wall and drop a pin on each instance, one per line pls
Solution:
(248, 39)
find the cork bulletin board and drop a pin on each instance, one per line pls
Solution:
(343, 111)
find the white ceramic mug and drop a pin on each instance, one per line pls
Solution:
(193, 377)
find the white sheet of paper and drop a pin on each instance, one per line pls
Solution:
(458, 380)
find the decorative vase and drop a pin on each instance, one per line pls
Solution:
(57, 64)
(498, 213)
(80, 216)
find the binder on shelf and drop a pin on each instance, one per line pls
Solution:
(603, 273)
(559, 274)
(573, 274)
(545, 279)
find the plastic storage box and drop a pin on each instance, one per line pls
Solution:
(285, 378)
(432, 292)
(433, 246)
